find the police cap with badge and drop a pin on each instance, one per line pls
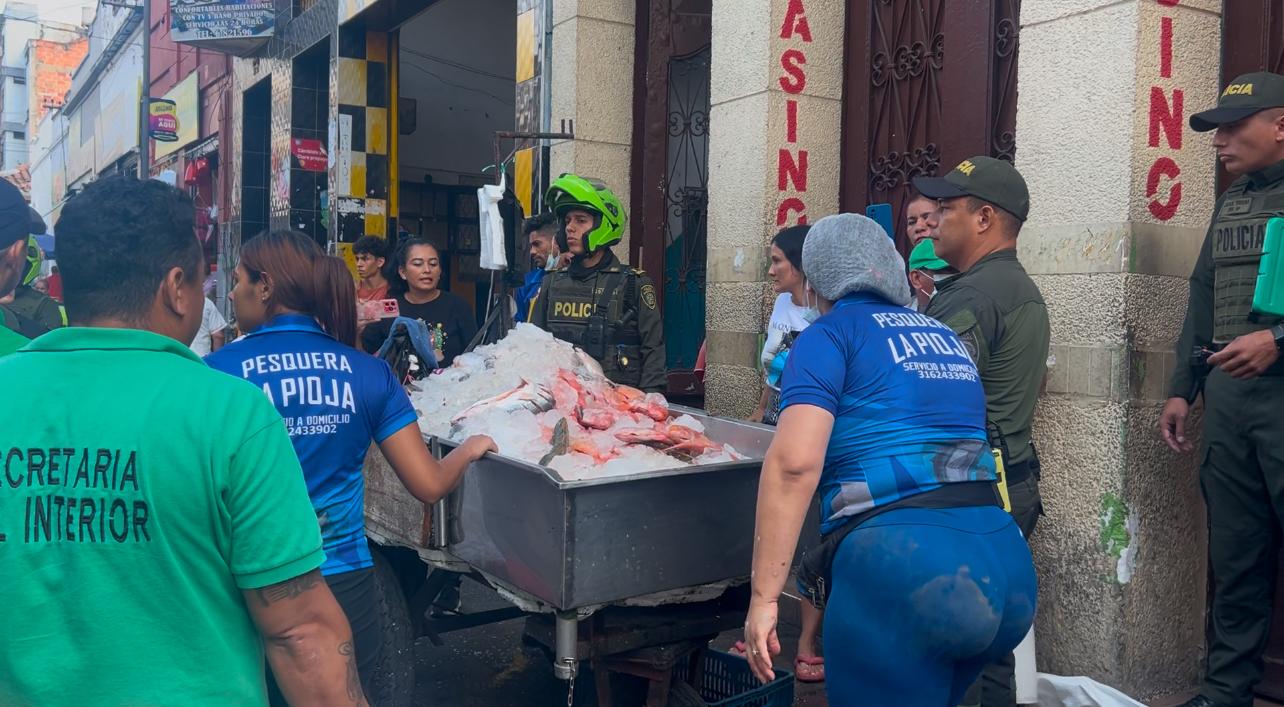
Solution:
(985, 178)
(1247, 95)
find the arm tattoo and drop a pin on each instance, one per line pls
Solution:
(354, 677)
(289, 589)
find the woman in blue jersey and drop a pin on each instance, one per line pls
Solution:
(927, 578)
(299, 306)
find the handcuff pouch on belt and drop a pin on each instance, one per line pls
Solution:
(999, 447)
(599, 331)
(816, 567)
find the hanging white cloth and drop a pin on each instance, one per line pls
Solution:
(491, 224)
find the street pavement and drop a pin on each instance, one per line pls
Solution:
(488, 666)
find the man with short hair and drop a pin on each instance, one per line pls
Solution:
(13, 259)
(541, 237)
(371, 256)
(147, 559)
(1242, 461)
(999, 314)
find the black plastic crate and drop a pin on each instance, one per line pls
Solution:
(726, 681)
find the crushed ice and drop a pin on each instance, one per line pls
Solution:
(529, 355)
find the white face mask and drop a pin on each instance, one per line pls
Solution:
(936, 287)
(550, 263)
(811, 313)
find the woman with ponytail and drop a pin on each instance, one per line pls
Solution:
(298, 306)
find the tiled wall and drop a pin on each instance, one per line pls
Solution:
(256, 156)
(362, 88)
(529, 159)
(364, 94)
(310, 120)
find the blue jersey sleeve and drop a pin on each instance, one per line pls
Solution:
(817, 370)
(391, 409)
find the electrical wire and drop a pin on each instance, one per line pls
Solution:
(462, 87)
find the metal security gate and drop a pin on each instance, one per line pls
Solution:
(928, 84)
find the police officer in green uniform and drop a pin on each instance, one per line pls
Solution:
(601, 305)
(999, 314)
(1242, 470)
(36, 310)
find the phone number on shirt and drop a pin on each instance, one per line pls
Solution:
(934, 371)
(948, 375)
(314, 425)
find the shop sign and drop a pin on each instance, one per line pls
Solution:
(309, 154)
(195, 20)
(186, 99)
(162, 120)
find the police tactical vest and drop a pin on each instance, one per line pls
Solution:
(1238, 234)
(615, 344)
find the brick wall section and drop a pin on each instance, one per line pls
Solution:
(54, 64)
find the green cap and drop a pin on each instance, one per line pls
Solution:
(1243, 96)
(923, 257)
(985, 178)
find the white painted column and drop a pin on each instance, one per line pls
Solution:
(774, 130)
(1121, 190)
(592, 76)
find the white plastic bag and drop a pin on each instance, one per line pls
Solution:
(1057, 691)
(491, 225)
(1026, 678)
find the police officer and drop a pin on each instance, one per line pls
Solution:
(597, 303)
(1242, 474)
(999, 314)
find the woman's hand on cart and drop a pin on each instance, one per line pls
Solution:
(475, 447)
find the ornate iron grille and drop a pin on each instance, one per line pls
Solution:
(907, 50)
(928, 81)
(686, 206)
(1006, 34)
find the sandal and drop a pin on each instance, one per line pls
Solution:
(809, 669)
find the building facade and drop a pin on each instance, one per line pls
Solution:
(719, 123)
(198, 80)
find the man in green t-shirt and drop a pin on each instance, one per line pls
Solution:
(148, 556)
(14, 220)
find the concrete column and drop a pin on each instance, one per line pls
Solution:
(592, 75)
(1121, 190)
(774, 129)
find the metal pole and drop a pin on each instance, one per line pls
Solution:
(144, 95)
(566, 646)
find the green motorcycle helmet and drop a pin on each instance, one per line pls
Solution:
(35, 256)
(572, 192)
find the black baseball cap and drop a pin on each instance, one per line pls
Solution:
(15, 215)
(1243, 96)
(985, 178)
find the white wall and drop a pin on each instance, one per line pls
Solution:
(20, 25)
(461, 103)
(112, 109)
(49, 165)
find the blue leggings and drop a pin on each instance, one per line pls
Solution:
(922, 600)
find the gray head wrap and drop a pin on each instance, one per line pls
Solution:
(847, 253)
